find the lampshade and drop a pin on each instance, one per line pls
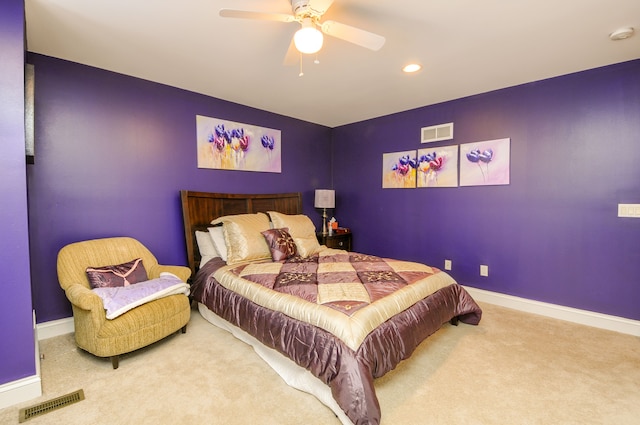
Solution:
(308, 39)
(325, 198)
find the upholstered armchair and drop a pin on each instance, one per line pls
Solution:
(135, 328)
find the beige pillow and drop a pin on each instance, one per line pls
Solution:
(243, 237)
(301, 229)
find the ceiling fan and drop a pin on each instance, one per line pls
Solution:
(308, 39)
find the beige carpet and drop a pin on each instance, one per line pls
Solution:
(514, 368)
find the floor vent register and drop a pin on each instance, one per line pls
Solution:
(50, 405)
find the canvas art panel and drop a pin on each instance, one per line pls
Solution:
(485, 163)
(437, 167)
(229, 145)
(399, 170)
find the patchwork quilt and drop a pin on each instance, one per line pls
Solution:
(344, 293)
(346, 317)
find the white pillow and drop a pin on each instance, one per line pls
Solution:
(217, 237)
(205, 247)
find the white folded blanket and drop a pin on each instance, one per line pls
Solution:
(124, 298)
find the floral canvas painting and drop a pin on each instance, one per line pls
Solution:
(485, 163)
(438, 167)
(399, 170)
(229, 145)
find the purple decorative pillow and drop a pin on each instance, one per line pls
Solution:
(119, 275)
(281, 244)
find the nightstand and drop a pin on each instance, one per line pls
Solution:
(336, 240)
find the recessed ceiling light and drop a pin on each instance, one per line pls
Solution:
(621, 34)
(412, 67)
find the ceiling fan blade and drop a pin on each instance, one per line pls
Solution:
(353, 35)
(320, 6)
(245, 14)
(293, 55)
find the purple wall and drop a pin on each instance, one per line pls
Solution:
(553, 234)
(113, 152)
(17, 350)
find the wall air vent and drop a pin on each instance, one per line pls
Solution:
(437, 132)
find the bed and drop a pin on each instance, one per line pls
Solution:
(328, 321)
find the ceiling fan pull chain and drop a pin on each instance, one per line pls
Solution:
(301, 73)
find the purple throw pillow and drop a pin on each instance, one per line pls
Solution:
(281, 244)
(118, 275)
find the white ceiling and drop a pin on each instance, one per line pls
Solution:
(466, 47)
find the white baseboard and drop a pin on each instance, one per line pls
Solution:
(55, 328)
(20, 391)
(583, 317)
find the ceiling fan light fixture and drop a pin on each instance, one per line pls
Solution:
(308, 39)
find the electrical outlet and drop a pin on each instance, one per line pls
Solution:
(484, 270)
(447, 264)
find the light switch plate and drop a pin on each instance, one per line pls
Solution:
(629, 210)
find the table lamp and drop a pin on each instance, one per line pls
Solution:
(325, 198)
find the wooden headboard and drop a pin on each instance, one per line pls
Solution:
(200, 208)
